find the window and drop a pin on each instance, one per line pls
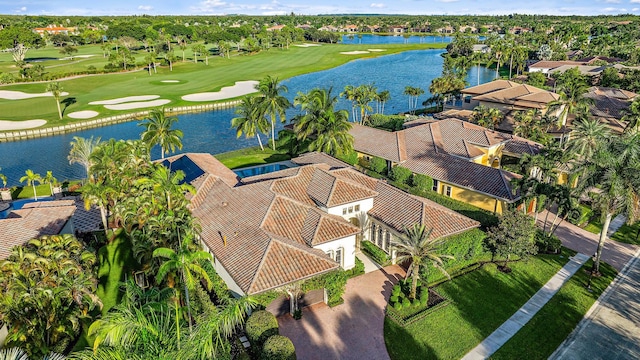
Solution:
(387, 242)
(344, 211)
(380, 239)
(448, 192)
(372, 237)
(356, 208)
(330, 254)
(350, 209)
(338, 257)
(436, 185)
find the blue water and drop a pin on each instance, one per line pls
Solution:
(259, 170)
(211, 132)
(18, 204)
(372, 39)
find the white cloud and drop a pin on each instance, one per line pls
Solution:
(635, 1)
(447, 1)
(22, 9)
(612, 1)
(635, 9)
(145, 7)
(377, 5)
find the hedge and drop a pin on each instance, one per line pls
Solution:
(422, 181)
(467, 248)
(219, 287)
(400, 174)
(356, 270)
(334, 282)
(377, 164)
(374, 252)
(278, 347)
(350, 157)
(260, 326)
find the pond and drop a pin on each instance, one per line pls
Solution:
(211, 132)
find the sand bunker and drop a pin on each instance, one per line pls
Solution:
(19, 95)
(85, 114)
(77, 56)
(138, 105)
(376, 50)
(125, 99)
(21, 125)
(307, 45)
(170, 81)
(241, 88)
(357, 52)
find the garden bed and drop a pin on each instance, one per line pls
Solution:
(411, 314)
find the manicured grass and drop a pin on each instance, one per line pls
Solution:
(250, 157)
(115, 259)
(194, 78)
(629, 234)
(555, 321)
(481, 301)
(26, 192)
(594, 226)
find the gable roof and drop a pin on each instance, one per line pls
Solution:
(521, 95)
(33, 220)
(385, 144)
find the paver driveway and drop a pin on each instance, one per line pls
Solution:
(353, 330)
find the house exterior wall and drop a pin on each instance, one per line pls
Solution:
(471, 197)
(68, 227)
(231, 284)
(343, 210)
(348, 246)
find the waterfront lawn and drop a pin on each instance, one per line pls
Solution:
(194, 78)
(480, 302)
(26, 192)
(250, 157)
(555, 321)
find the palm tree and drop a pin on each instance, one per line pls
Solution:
(169, 184)
(251, 120)
(413, 93)
(349, 94)
(99, 195)
(632, 116)
(187, 263)
(417, 245)
(49, 179)
(571, 89)
(56, 90)
(273, 102)
(328, 129)
(159, 132)
(383, 97)
(3, 178)
(363, 225)
(31, 178)
(199, 49)
(364, 94)
(586, 136)
(487, 117)
(614, 168)
(81, 150)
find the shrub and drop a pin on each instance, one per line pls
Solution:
(486, 218)
(422, 181)
(580, 215)
(350, 157)
(377, 254)
(400, 174)
(396, 290)
(377, 164)
(397, 305)
(278, 347)
(406, 302)
(547, 243)
(334, 282)
(356, 270)
(393, 299)
(260, 326)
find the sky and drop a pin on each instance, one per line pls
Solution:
(314, 7)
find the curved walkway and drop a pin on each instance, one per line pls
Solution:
(353, 330)
(611, 328)
(615, 253)
(501, 335)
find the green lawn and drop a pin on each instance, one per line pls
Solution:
(193, 78)
(629, 234)
(481, 301)
(594, 226)
(555, 321)
(250, 157)
(115, 259)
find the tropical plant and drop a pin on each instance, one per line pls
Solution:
(251, 119)
(56, 91)
(614, 170)
(272, 102)
(486, 117)
(418, 246)
(632, 116)
(382, 98)
(586, 136)
(50, 180)
(3, 178)
(31, 178)
(514, 235)
(81, 150)
(413, 93)
(158, 131)
(48, 290)
(327, 129)
(571, 86)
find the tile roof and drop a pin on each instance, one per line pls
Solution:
(442, 150)
(34, 220)
(385, 144)
(609, 102)
(522, 96)
(489, 87)
(319, 158)
(546, 64)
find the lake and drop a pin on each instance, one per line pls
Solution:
(211, 131)
(372, 39)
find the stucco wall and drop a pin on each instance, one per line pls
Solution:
(365, 206)
(222, 272)
(473, 198)
(349, 253)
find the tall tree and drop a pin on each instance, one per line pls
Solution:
(514, 235)
(158, 131)
(418, 246)
(571, 86)
(50, 180)
(273, 102)
(614, 169)
(632, 116)
(56, 91)
(251, 120)
(31, 178)
(586, 137)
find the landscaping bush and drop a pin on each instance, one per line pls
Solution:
(334, 282)
(547, 243)
(278, 347)
(378, 165)
(386, 122)
(350, 157)
(356, 270)
(260, 326)
(374, 252)
(581, 215)
(421, 181)
(466, 248)
(406, 302)
(486, 218)
(400, 174)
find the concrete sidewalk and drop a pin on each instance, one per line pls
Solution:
(510, 327)
(611, 328)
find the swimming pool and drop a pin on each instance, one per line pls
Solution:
(259, 170)
(18, 204)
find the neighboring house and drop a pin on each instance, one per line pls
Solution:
(609, 105)
(516, 30)
(276, 27)
(34, 220)
(304, 27)
(462, 158)
(506, 96)
(446, 30)
(54, 29)
(267, 231)
(481, 48)
(350, 28)
(397, 29)
(545, 66)
(329, 28)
